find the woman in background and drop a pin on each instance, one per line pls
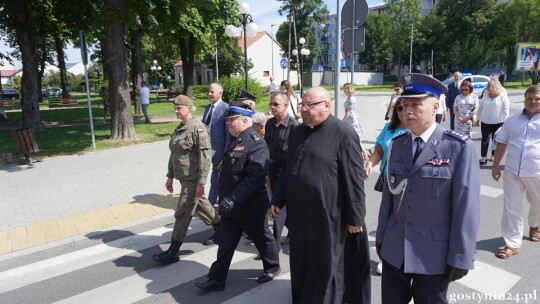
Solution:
(285, 86)
(493, 110)
(465, 107)
(350, 117)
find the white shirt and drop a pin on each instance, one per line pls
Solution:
(273, 88)
(425, 136)
(293, 102)
(442, 104)
(145, 95)
(521, 134)
(494, 111)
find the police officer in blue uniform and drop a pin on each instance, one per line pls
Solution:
(430, 209)
(244, 199)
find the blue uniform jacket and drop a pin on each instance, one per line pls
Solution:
(437, 222)
(243, 173)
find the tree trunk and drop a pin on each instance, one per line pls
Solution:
(136, 67)
(187, 53)
(298, 67)
(58, 43)
(115, 60)
(29, 82)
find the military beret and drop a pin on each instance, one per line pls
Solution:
(183, 100)
(239, 108)
(416, 85)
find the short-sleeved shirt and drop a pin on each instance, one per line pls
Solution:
(384, 139)
(145, 95)
(350, 104)
(521, 134)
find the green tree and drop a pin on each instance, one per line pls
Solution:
(230, 59)
(405, 14)
(378, 52)
(305, 13)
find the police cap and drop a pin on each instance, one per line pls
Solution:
(247, 95)
(416, 85)
(239, 108)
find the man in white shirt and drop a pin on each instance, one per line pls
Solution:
(273, 87)
(144, 93)
(520, 138)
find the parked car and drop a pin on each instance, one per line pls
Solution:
(479, 82)
(55, 92)
(10, 94)
(45, 92)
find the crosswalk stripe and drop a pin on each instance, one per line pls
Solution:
(155, 280)
(488, 279)
(49, 268)
(490, 191)
(275, 291)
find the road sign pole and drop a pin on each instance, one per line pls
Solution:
(338, 63)
(352, 29)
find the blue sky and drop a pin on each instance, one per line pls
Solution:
(264, 15)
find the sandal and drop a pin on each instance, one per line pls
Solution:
(534, 234)
(506, 252)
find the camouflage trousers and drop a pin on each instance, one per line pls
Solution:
(188, 205)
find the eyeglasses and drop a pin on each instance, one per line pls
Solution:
(397, 89)
(309, 106)
(465, 90)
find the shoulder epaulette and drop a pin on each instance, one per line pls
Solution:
(400, 135)
(463, 138)
(255, 136)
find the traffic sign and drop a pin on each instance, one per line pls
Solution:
(359, 40)
(284, 63)
(361, 11)
(320, 69)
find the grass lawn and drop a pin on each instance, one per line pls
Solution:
(64, 139)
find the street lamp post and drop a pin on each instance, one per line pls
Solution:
(155, 67)
(272, 34)
(250, 29)
(304, 52)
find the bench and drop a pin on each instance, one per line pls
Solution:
(8, 103)
(58, 102)
(167, 93)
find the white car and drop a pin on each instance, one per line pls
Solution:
(479, 82)
(55, 92)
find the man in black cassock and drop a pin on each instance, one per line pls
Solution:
(322, 187)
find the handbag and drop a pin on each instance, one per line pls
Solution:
(379, 183)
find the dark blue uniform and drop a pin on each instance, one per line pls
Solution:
(242, 178)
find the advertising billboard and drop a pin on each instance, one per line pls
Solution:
(527, 56)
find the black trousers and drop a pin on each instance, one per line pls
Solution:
(438, 118)
(397, 288)
(230, 233)
(357, 269)
(488, 131)
(452, 116)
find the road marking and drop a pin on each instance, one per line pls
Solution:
(275, 291)
(489, 279)
(59, 265)
(155, 280)
(490, 191)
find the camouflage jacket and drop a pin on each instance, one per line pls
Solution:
(190, 152)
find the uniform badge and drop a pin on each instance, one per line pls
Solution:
(200, 130)
(439, 161)
(408, 79)
(238, 148)
(392, 179)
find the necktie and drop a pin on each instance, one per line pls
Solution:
(209, 116)
(418, 142)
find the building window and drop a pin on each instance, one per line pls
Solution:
(266, 73)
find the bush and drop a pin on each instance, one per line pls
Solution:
(200, 92)
(234, 84)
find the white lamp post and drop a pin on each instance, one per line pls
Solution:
(303, 52)
(250, 29)
(155, 68)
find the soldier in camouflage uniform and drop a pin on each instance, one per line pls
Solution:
(189, 162)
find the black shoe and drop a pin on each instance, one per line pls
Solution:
(211, 285)
(166, 257)
(257, 257)
(268, 276)
(482, 163)
(213, 240)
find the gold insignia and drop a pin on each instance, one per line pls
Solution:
(408, 79)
